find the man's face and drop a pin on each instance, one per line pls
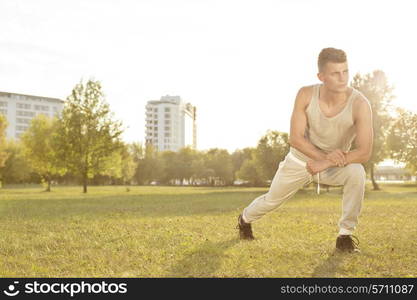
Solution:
(335, 76)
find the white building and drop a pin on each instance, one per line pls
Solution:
(170, 124)
(20, 109)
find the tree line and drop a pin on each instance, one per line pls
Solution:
(83, 145)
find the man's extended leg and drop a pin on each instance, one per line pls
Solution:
(289, 178)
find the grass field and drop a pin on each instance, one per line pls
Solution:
(190, 232)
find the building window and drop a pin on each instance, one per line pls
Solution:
(23, 105)
(155, 129)
(167, 116)
(155, 122)
(155, 134)
(167, 109)
(23, 113)
(167, 128)
(167, 122)
(21, 128)
(3, 104)
(41, 107)
(155, 110)
(155, 116)
(167, 134)
(3, 111)
(22, 121)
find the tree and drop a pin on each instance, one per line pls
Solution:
(149, 167)
(249, 171)
(197, 167)
(128, 164)
(16, 168)
(169, 160)
(219, 160)
(376, 89)
(185, 157)
(87, 133)
(3, 126)
(402, 139)
(40, 148)
(271, 149)
(138, 151)
(110, 169)
(260, 164)
(239, 157)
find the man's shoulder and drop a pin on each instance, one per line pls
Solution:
(361, 100)
(305, 93)
(307, 89)
(361, 104)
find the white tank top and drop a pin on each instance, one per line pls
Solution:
(328, 133)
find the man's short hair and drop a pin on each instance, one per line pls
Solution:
(330, 55)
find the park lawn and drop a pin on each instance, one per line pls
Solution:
(190, 232)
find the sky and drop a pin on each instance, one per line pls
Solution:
(239, 62)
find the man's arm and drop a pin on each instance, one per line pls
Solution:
(298, 127)
(364, 134)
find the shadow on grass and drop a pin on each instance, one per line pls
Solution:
(203, 261)
(331, 266)
(138, 205)
(152, 205)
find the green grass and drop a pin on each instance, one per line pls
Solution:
(190, 232)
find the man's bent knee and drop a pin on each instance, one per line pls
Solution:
(356, 172)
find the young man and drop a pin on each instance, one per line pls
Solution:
(326, 119)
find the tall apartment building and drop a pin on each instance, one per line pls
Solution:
(20, 109)
(170, 124)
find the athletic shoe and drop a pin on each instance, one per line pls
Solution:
(347, 243)
(245, 229)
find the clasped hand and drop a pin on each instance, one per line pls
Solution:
(334, 158)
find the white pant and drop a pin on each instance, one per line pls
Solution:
(292, 175)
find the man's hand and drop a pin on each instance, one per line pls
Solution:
(316, 166)
(337, 157)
